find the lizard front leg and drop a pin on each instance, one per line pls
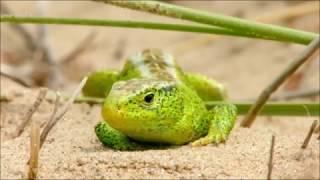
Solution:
(207, 89)
(99, 83)
(221, 123)
(114, 139)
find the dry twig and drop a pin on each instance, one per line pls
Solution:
(41, 54)
(28, 39)
(4, 98)
(35, 106)
(42, 34)
(264, 96)
(34, 150)
(58, 114)
(270, 165)
(82, 47)
(308, 137)
(49, 74)
(49, 125)
(54, 77)
(15, 78)
(295, 81)
(317, 130)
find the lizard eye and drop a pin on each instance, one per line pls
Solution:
(149, 98)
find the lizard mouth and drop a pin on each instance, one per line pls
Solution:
(113, 116)
(112, 113)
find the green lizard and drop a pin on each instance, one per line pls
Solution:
(153, 100)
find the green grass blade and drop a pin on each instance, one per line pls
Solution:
(278, 108)
(237, 24)
(128, 24)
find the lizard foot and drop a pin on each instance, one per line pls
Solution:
(113, 138)
(209, 139)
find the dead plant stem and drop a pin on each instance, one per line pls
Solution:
(58, 114)
(266, 93)
(270, 165)
(30, 112)
(34, 150)
(308, 137)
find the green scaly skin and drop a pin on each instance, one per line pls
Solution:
(153, 101)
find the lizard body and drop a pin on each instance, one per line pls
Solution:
(153, 100)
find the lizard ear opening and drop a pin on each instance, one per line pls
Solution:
(149, 98)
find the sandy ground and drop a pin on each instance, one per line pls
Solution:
(244, 66)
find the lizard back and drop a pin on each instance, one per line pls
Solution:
(153, 63)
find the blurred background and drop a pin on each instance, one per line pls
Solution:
(58, 56)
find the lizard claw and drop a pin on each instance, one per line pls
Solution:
(209, 139)
(202, 141)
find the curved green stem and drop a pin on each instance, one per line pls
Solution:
(228, 22)
(271, 108)
(129, 24)
(278, 108)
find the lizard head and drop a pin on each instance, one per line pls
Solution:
(144, 109)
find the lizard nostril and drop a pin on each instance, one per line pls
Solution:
(118, 85)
